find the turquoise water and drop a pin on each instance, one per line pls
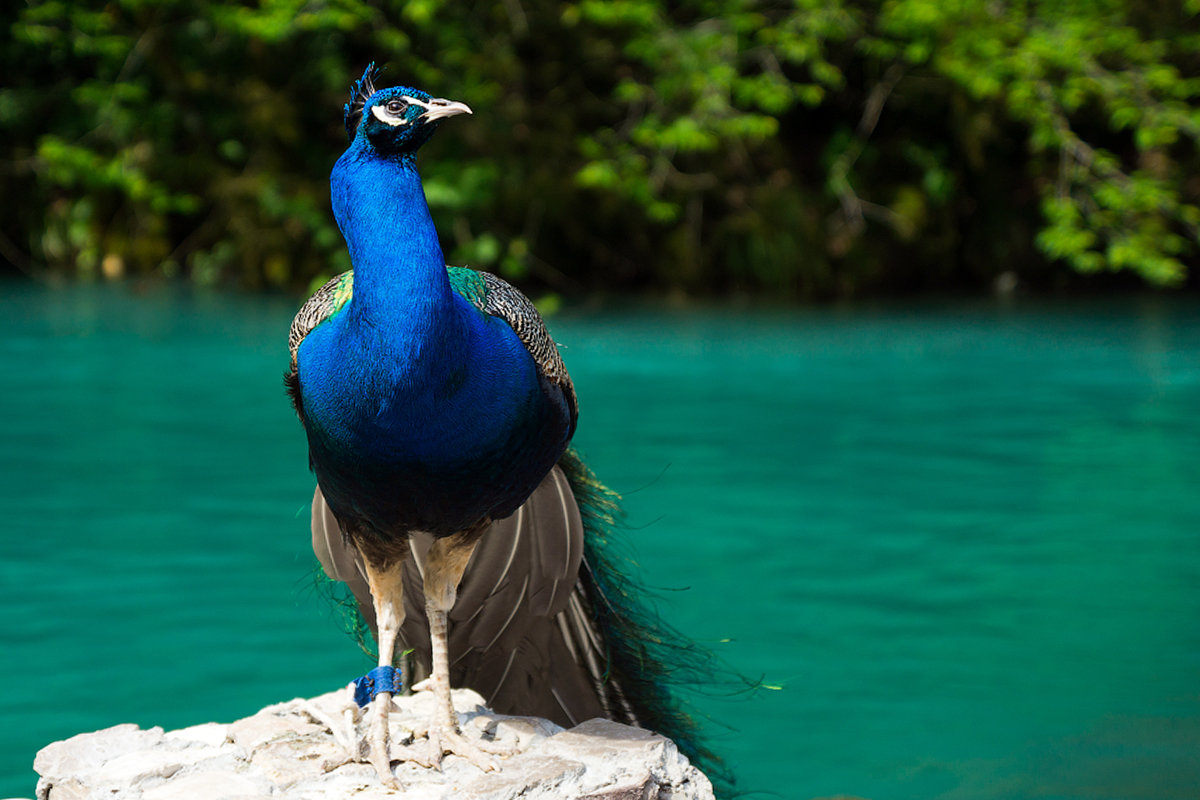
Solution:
(961, 537)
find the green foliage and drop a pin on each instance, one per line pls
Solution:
(821, 147)
(921, 94)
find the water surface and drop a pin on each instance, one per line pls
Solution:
(961, 537)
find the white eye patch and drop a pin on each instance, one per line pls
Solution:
(382, 115)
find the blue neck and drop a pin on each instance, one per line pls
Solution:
(399, 271)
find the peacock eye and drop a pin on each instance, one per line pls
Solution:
(395, 107)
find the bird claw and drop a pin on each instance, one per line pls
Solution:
(344, 736)
(440, 742)
(376, 743)
(375, 747)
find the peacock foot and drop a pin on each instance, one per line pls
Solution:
(343, 726)
(375, 746)
(366, 735)
(440, 741)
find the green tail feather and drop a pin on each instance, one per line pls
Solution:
(345, 607)
(646, 656)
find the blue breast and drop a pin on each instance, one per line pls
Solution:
(429, 427)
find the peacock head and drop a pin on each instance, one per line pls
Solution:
(398, 120)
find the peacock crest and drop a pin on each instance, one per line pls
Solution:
(360, 93)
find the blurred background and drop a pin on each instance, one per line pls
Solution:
(883, 318)
(819, 149)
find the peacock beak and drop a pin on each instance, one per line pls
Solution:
(437, 108)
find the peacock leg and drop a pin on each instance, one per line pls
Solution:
(387, 592)
(448, 559)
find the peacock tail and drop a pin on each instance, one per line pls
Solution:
(648, 658)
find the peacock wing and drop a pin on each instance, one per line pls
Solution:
(324, 303)
(494, 296)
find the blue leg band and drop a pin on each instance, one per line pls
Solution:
(380, 679)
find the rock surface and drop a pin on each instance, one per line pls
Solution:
(299, 751)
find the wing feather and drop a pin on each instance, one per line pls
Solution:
(494, 296)
(321, 306)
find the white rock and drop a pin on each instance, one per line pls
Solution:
(210, 733)
(209, 786)
(68, 756)
(286, 752)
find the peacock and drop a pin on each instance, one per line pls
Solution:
(439, 415)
